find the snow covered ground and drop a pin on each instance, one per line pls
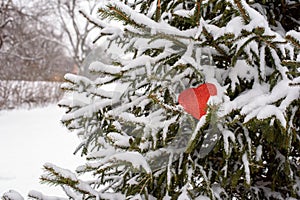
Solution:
(28, 139)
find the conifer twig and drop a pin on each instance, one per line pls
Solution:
(293, 41)
(158, 11)
(90, 20)
(198, 11)
(242, 10)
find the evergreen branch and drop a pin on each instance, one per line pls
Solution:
(241, 50)
(56, 177)
(96, 23)
(293, 40)
(161, 35)
(194, 138)
(158, 11)
(242, 11)
(226, 39)
(211, 42)
(260, 38)
(156, 118)
(198, 11)
(147, 178)
(91, 20)
(119, 14)
(294, 84)
(170, 38)
(113, 12)
(259, 31)
(289, 63)
(174, 109)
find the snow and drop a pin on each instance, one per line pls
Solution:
(242, 70)
(28, 140)
(201, 122)
(201, 197)
(119, 140)
(184, 194)
(262, 64)
(234, 26)
(218, 191)
(65, 173)
(294, 34)
(152, 9)
(258, 153)
(98, 66)
(185, 13)
(77, 79)
(280, 68)
(39, 195)
(269, 111)
(134, 158)
(144, 21)
(87, 111)
(227, 134)
(12, 194)
(247, 168)
(260, 104)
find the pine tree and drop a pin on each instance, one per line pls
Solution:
(141, 144)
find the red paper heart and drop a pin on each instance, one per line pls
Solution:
(194, 100)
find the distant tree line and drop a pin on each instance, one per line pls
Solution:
(28, 94)
(41, 41)
(37, 41)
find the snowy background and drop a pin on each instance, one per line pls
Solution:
(28, 139)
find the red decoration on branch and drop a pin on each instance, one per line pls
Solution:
(194, 100)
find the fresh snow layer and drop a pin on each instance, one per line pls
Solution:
(28, 140)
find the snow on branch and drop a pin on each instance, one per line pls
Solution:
(39, 196)
(257, 102)
(144, 21)
(106, 29)
(98, 66)
(135, 159)
(12, 195)
(62, 176)
(294, 37)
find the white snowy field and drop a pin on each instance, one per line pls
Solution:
(28, 139)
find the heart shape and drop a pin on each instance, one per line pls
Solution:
(194, 100)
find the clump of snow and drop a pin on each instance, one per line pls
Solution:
(39, 195)
(119, 139)
(218, 191)
(246, 167)
(185, 13)
(65, 173)
(227, 134)
(242, 70)
(184, 193)
(12, 195)
(134, 158)
(98, 66)
(258, 152)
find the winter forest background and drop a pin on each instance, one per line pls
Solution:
(127, 63)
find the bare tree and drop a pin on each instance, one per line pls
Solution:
(4, 20)
(78, 31)
(30, 44)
